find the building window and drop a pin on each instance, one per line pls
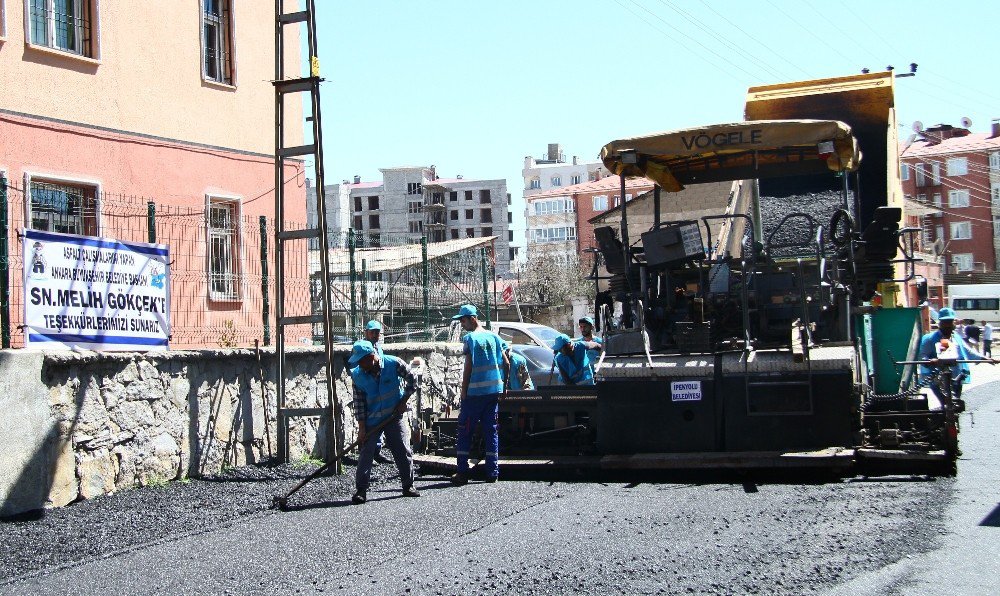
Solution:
(534, 184)
(437, 198)
(936, 173)
(64, 208)
(939, 230)
(416, 227)
(468, 214)
(217, 43)
(373, 222)
(67, 25)
(904, 172)
(574, 179)
(918, 170)
(468, 195)
(357, 203)
(454, 215)
(961, 230)
(413, 188)
(995, 160)
(223, 248)
(922, 199)
(958, 166)
(995, 195)
(487, 231)
(358, 222)
(936, 199)
(470, 233)
(962, 262)
(372, 203)
(556, 181)
(510, 235)
(415, 207)
(485, 216)
(958, 198)
(484, 196)
(510, 217)
(553, 206)
(453, 195)
(454, 234)
(601, 203)
(592, 176)
(561, 234)
(996, 226)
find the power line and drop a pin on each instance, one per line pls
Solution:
(809, 31)
(755, 39)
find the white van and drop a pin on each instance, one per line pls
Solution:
(980, 302)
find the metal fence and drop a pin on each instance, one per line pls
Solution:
(221, 270)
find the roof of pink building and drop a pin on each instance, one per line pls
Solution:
(609, 183)
(968, 144)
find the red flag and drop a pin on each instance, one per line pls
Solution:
(508, 294)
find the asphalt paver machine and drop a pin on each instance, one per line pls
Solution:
(754, 337)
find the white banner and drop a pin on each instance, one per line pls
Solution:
(95, 293)
(685, 391)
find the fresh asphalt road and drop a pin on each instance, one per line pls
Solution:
(857, 536)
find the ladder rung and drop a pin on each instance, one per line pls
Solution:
(295, 85)
(294, 412)
(293, 17)
(294, 234)
(296, 151)
(303, 320)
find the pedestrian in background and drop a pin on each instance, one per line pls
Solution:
(972, 333)
(482, 388)
(572, 361)
(987, 339)
(379, 395)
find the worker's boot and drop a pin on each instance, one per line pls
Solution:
(359, 498)
(459, 479)
(410, 491)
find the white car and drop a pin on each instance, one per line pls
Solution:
(525, 334)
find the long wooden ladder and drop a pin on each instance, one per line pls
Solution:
(284, 87)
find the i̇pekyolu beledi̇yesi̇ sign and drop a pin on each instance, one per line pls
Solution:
(95, 293)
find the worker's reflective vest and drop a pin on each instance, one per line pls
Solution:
(382, 393)
(594, 355)
(575, 369)
(484, 349)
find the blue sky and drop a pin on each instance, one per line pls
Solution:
(472, 87)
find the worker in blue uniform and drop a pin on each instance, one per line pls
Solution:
(373, 333)
(594, 344)
(517, 377)
(572, 361)
(931, 343)
(482, 388)
(380, 395)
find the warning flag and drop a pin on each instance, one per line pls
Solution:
(508, 294)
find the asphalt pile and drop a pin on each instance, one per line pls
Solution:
(819, 205)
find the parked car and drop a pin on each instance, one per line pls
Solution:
(525, 334)
(539, 364)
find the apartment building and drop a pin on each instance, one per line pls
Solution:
(170, 103)
(955, 173)
(411, 203)
(558, 220)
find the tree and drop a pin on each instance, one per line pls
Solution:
(548, 280)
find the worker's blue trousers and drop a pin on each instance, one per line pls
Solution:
(482, 410)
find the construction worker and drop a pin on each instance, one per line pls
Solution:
(517, 378)
(572, 361)
(945, 338)
(482, 388)
(373, 333)
(594, 345)
(380, 396)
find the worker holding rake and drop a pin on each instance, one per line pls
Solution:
(380, 396)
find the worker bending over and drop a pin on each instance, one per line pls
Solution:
(379, 395)
(517, 378)
(572, 361)
(482, 388)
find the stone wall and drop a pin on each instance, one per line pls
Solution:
(80, 425)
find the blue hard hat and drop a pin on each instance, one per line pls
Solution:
(587, 320)
(561, 340)
(359, 350)
(946, 314)
(373, 326)
(467, 310)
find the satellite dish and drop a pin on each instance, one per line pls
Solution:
(937, 247)
(918, 126)
(966, 122)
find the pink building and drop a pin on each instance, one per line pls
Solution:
(171, 104)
